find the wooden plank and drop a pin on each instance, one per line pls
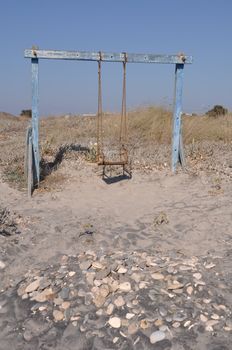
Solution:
(177, 154)
(35, 115)
(107, 57)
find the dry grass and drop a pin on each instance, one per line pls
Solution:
(147, 127)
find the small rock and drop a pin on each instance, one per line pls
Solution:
(115, 340)
(157, 276)
(136, 277)
(132, 328)
(104, 290)
(189, 290)
(119, 301)
(110, 309)
(58, 301)
(129, 316)
(158, 322)
(65, 305)
(115, 322)
(46, 294)
(215, 317)
(99, 300)
(203, 318)
(187, 323)
(85, 265)
(71, 273)
(64, 293)
(122, 270)
(143, 285)
(32, 286)
(176, 325)
(125, 286)
(176, 285)
(2, 265)
(99, 312)
(197, 276)
(58, 315)
(144, 324)
(97, 265)
(157, 336)
(210, 266)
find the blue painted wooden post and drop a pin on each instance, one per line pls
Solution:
(35, 116)
(177, 146)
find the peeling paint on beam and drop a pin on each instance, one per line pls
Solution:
(108, 57)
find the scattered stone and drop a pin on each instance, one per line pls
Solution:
(157, 336)
(110, 309)
(197, 276)
(71, 273)
(144, 324)
(132, 328)
(99, 300)
(176, 325)
(157, 276)
(115, 340)
(215, 317)
(158, 322)
(2, 265)
(58, 301)
(122, 270)
(46, 294)
(65, 305)
(58, 315)
(104, 290)
(187, 323)
(129, 315)
(32, 286)
(189, 290)
(175, 285)
(85, 265)
(97, 265)
(119, 301)
(209, 266)
(125, 286)
(115, 322)
(203, 318)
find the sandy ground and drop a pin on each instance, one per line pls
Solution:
(194, 219)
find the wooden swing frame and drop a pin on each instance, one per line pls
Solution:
(35, 55)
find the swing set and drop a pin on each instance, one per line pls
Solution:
(32, 158)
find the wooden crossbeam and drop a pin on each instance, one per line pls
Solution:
(108, 57)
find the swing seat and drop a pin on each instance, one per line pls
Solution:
(122, 161)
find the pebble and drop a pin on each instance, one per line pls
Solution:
(129, 315)
(157, 336)
(99, 300)
(115, 322)
(97, 265)
(157, 276)
(132, 328)
(122, 270)
(58, 315)
(115, 339)
(71, 273)
(2, 265)
(65, 305)
(110, 309)
(176, 325)
(187, 323)
(203, 318)
(215, 317)
(144, 324)
(210, 266)
(104, 290)
(158, 322)
(189, 290)
(197, 276)
(32, 286)
(45, 295)
(174, 286)
(119, 301)
(143, 285)
(125, 286)
(85, 265)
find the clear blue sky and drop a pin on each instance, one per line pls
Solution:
(202, 28)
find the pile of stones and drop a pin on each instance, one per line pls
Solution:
(135, 297)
